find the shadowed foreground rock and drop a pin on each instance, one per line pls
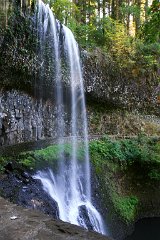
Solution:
(17, 223)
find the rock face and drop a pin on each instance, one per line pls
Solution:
(24, 118)
(25, 224)
(105, 83)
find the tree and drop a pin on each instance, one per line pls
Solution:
(151, 27)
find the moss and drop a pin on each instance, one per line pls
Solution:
(154, 174)
(3, 163)
(126, 152)
(40, 158)
(49, 156)
(125, 169)
(126, 206)
(18, 56)
(53, 152)
(27, 161)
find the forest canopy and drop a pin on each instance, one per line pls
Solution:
(91, 20)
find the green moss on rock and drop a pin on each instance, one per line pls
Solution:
(126, 206)
(49, 156)
(126, 170)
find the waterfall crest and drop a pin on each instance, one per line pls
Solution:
(70, 186)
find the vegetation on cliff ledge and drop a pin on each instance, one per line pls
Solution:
(124, 168)
(37, 159)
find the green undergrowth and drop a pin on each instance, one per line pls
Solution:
(49, 156)
(3, 163)
(125, 206)
(117, 162)
(120, 154)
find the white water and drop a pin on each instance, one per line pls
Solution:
(70, 186)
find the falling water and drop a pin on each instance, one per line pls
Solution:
(70, 186)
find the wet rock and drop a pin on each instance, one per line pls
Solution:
(33, 225)
(83, 213)
(9, 167)
(27, 192)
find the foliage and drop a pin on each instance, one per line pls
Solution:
(3, 162)
(26, 160)
(124, 51)
(104, 153)
(129, 9)
(53, 152)
(48, 156)
(128, 52)
(110, 32)
(154, 174)
(151, 27)
(136, 56)
(125, 206)
(127, 152)
(146, 56)
(110, 158)
(117, 162)
(63, 10)
(40, 158)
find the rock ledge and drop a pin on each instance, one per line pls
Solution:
(17, 223)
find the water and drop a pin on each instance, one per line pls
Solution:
(70, 185)
(146, 229)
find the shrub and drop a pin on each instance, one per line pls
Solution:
(126, 206)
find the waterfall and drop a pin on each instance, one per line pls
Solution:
(70, 185)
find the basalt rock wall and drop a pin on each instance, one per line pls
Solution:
(24, 119)
(106, 83)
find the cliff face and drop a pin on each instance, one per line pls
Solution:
(24, 118)
(116, 104)
(122, 88)
(27, 110)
